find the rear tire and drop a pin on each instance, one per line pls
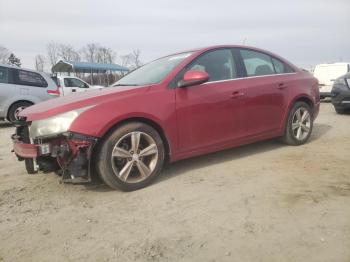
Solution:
(15, 109)
(122, 160)
(299, 126)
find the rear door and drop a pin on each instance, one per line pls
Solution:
(209, 114)
(266, 87)
(30, 84)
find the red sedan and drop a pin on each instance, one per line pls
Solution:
(176, 107)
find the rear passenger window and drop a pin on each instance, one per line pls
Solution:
(256, 63)
(28, 78)
(3, 75)
(280, 67)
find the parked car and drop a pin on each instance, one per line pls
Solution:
(341, 94)
(176, 107)
(72, 84)
(327, 73)
(20, 88)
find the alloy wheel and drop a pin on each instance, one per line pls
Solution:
(301, 123)
(134, 157)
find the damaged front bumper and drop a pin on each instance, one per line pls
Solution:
(68, 154)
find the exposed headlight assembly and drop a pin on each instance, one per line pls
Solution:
(54, 125)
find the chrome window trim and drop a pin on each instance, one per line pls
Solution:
(248, 77)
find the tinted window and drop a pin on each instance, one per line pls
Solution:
(219, 65)
(280, 67)
(256, 63)
(3, 75)
(73, 82)
(28, 78)
(55, 79)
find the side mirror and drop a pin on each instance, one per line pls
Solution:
(193, 77)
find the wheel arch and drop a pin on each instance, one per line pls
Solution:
(146, 121)
(15, 102)
(301, 98)
(306, 100)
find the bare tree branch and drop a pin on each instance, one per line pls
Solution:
(89, 52)
(67, 53)
(136, 53)
(105, 55)
(132, 60)
(52, 53)
(39, 63)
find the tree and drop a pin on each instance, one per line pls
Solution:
(52, 53)
(39, 63)
(105, 55)
(4, 54)
(13, 60)
(68, 53)
(89, 52)
(136, 58)
(131, 60)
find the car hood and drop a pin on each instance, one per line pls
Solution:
(64, 104)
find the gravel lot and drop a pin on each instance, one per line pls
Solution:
(261, 202)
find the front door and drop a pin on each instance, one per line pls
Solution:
(74, 85)
(209, 114)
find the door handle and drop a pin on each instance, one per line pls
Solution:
(281, 86)
(237, 94)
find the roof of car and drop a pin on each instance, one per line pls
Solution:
(204, 49)
(333, 64)
(27, 69)
(217, 47)
(7, 65)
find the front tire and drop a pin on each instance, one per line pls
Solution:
(29, 163)
(130, 157)
(299, 124)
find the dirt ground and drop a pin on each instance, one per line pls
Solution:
(261, 202)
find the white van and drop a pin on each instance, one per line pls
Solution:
(327, 73)
(20, 88)
(71, 84)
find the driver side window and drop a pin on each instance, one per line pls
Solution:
(219, 64)
(73, 82)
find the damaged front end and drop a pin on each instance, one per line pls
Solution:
(68, 154)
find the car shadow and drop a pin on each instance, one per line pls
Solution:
(319, 130)
(5, 124)
(233, 154)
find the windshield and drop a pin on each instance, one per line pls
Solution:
(153, 72)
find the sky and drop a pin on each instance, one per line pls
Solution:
(306, 32)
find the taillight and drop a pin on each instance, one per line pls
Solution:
(54, 92)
